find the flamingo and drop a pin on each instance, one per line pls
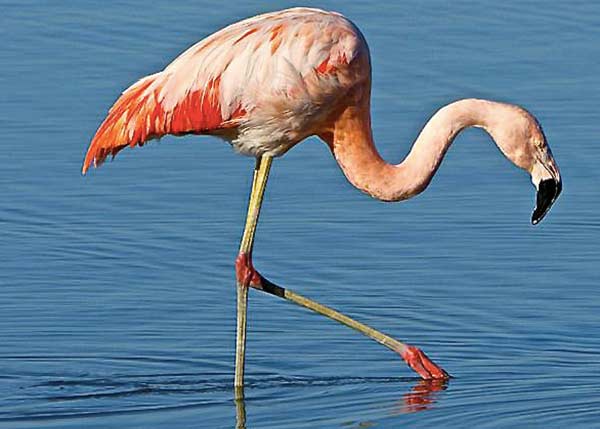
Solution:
(266, 83)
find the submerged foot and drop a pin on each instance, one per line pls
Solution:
(424, 366)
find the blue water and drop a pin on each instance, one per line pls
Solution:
(117, 298)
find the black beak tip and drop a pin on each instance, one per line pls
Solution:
(548, 192)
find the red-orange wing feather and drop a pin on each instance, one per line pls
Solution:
(139, 115)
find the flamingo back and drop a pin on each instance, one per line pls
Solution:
(264, 84)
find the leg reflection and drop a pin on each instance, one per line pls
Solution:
(240, 409)
(422, 396)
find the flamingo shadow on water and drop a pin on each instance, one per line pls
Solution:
(265, 84)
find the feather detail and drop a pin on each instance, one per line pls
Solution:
(138, 116)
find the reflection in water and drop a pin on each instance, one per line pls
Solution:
(421, 397)
(240, 413)
(240, 408)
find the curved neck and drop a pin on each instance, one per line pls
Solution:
(354, 149)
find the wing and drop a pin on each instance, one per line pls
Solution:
(219, 82)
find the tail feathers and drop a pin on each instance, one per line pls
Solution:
(127, 124)
(140, 115)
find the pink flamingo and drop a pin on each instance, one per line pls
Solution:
(265, 84)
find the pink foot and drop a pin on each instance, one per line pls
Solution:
(245, 273)
(419, 362)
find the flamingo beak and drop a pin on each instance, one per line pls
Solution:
(547, 193)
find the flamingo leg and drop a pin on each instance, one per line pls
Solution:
(245, 273)
(247, 277)
(413, 356)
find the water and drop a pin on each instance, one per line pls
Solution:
(116, 289)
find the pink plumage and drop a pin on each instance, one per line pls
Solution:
(263, 84)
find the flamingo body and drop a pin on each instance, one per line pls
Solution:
(264, 84)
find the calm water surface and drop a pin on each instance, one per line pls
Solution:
(117, 289)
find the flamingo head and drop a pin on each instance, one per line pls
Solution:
(544, 171)
(546, 179)
(520, 137)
